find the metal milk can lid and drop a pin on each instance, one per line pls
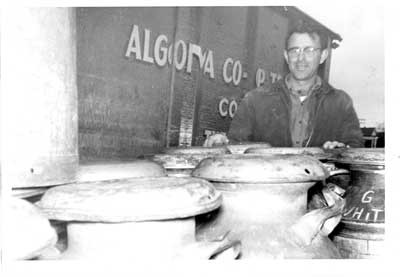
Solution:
(240, 147)
(249, 168)
(196, 150)
(316, 152)
(101, 171)
(362, 156)
(186, 157)
(135, 199)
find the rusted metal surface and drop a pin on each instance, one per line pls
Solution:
(29, 231)
(142, 218)
(361, 231)
(264, 206)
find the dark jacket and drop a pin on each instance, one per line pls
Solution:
(263, 116)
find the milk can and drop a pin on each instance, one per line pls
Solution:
(105, 171)
(41, 130)
(360, 233)
(29, 234)
(337, 176)
(180, 161)
(265, 202)
(135, 219)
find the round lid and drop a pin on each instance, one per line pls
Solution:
(30, 231)
(119, 170)
(362, 156)
(310, 151)
(240, 147)
(197, 150)
(136, 199)
(179, 161)
(249, 168)
(27, 192)
(186, 157)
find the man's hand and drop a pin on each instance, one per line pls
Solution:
(216, 139)
(333, 144)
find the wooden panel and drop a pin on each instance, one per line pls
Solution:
(123, 101)
(223, 31)
(271, 34)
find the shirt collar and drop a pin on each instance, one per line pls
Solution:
(317, 84)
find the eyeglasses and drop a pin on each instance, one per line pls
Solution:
(308, 52)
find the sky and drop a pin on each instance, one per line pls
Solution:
(357, 65)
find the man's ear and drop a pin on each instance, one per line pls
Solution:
(324, 55)
(286, 56)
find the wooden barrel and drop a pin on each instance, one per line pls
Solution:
(361, 231)
(40, 97)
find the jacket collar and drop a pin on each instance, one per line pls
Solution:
(280, 85)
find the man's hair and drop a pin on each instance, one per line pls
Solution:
(313, 30)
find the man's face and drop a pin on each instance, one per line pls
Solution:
(304, 64)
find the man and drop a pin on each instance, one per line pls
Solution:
(300, 110)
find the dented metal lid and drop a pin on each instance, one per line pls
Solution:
(101, 171)
(250, 168)
(196, 150)
(241, 147)
(310, 151)
(136, 199)
(186, 157)
(362, 156)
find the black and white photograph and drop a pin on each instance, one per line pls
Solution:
(172, 133)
